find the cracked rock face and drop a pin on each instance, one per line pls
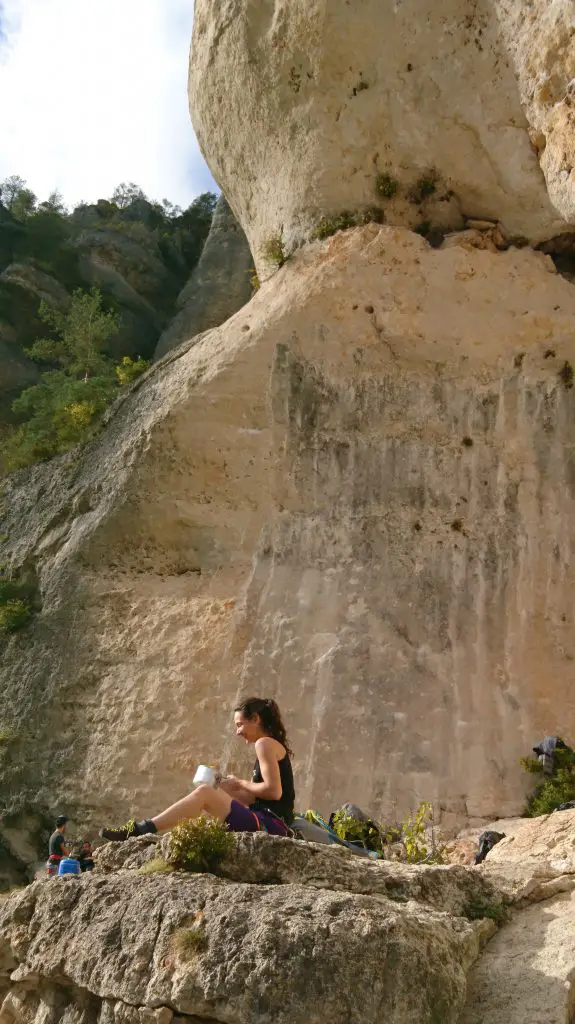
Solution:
(313, 99)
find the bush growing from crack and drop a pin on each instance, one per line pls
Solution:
(329, 226)
(188, 942)
(421, 842)
(424, 187)
(274, 251)
(17, 602)
(254, 279)
(385, 186)
(200, 844)
(476, 910)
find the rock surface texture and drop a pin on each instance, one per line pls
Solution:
(313, 99)
(527, 970)
(356, 495)
(220, 283)
(292, 932)
(341, 947)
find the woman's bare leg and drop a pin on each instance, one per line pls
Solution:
(204, 798)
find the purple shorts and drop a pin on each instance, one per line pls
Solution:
(243, 819)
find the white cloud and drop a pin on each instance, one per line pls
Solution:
(94, 92)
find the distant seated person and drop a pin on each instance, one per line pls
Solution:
(85, 858)
(57, 849)
(70, 865)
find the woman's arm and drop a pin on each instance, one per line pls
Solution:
(271, 787)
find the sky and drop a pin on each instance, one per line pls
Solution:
(94, 93)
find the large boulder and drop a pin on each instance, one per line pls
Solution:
(219, 285)
(300, 107)
(527, 970)
(294, 951)
(357, 496)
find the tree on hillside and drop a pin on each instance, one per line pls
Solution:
(24, 204)
(126, 193)
(81, 336)
(9, 189)
(65, 407)
(54, 204)
(20, 200)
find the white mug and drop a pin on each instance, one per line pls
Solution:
(205, 776)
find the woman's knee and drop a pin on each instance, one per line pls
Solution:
(203, 790)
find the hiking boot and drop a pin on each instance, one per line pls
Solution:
(131, 829)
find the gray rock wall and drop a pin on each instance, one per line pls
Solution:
(219, 285)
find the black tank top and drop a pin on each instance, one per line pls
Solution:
(282, 808)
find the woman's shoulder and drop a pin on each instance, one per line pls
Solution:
(271, 746)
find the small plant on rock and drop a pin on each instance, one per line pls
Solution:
(363, 833)
(254, 279)
(189, 942)
(419, 838)
(156, 866)
(424, 187)
(274, 251)
(17, 602)
(385, 186)
(331, 225)
(200, 844)
(476, 910)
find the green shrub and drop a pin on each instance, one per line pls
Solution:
(353, 831)
(188, 942)
(476, 910)
(200, 844)
(552, 790)
(424, 187)
(329, 226)
(254, 279)
(386, 186)
(17, 602)
(532, 765)
(14, 615)
(419, 838)
(274, 250)
(130, 369)
(370, 215)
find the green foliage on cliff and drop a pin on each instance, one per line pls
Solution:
(553, 790)
(64, 408)
(17, 603)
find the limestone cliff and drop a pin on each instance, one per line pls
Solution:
(357, 496)
(300, 105)
(218, 286)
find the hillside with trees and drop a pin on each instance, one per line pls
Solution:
(102, 277)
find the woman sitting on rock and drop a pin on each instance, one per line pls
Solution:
(264, 804)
